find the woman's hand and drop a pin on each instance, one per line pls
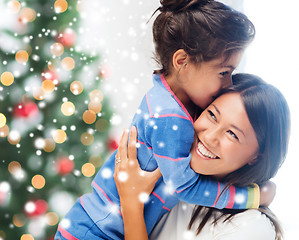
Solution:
(133, 184)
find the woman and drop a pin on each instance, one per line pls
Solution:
(241, 138)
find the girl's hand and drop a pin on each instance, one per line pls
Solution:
(133, 184)
(267, 193)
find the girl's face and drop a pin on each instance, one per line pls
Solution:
(200, 83)
(225, 140)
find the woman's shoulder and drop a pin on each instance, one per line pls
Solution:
(248, 225)
(251, 224)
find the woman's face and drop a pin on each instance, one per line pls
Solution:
(225, 140)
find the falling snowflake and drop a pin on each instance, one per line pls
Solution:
(143, 197)
(175, 127)
(169, 188)
(156, 115)
(207, 193)
(152, 123)
(240, 198)
(123, 176)
(65, 223)
(188, 235)
(106, 173)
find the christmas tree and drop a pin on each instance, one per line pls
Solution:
(54, 119)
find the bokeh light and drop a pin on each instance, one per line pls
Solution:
(39, 143)
(60, 6)
(38, 181)
(27, 15)
(89, 116)
(95, 106)
(22, 56)
(48, 86)
(102, 125)
(27, 237)
(76, 87)
(88, 170)
(67, 37)
(59, 136)
(2, 120)
(64, 165)
(68, 63)
(96, 95)
(39, 94)
(87, 138)
(18, 220)
(52, 218)
(2, 235)
(7, 78)
(14, 167)
(96, 160)
(14, 137)
(57, 49)
(68, 108)
(14, 6)
(4, 131)
(49, 145)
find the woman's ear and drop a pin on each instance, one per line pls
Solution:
(180, 59)
(252, 162)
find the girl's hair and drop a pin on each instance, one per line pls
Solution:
(205, 29)
(268, 113)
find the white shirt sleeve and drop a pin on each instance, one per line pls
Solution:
(248, 225)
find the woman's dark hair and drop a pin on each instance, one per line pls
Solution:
(268, 113)
(205, 29)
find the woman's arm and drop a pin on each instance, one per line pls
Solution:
(134, 186)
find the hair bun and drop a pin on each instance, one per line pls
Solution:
(180, 5)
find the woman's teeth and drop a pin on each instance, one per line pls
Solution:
(205, 152)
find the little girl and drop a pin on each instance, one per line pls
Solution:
(198, 45)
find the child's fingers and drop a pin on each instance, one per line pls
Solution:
(132, 150)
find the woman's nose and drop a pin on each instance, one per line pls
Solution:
(212, 136)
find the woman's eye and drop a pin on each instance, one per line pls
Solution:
(224, 73)
(233, 134)
(212, 115)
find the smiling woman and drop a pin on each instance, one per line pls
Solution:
(226, 140)
(238, 143)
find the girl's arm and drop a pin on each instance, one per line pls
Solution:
(134, 186)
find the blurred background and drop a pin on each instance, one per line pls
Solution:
(72, 76)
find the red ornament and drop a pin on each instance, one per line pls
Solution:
(35, 208)
(112, 144)
(27, 109)
(67, 38)
(64, 166)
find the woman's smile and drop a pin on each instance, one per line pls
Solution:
(205, 153)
